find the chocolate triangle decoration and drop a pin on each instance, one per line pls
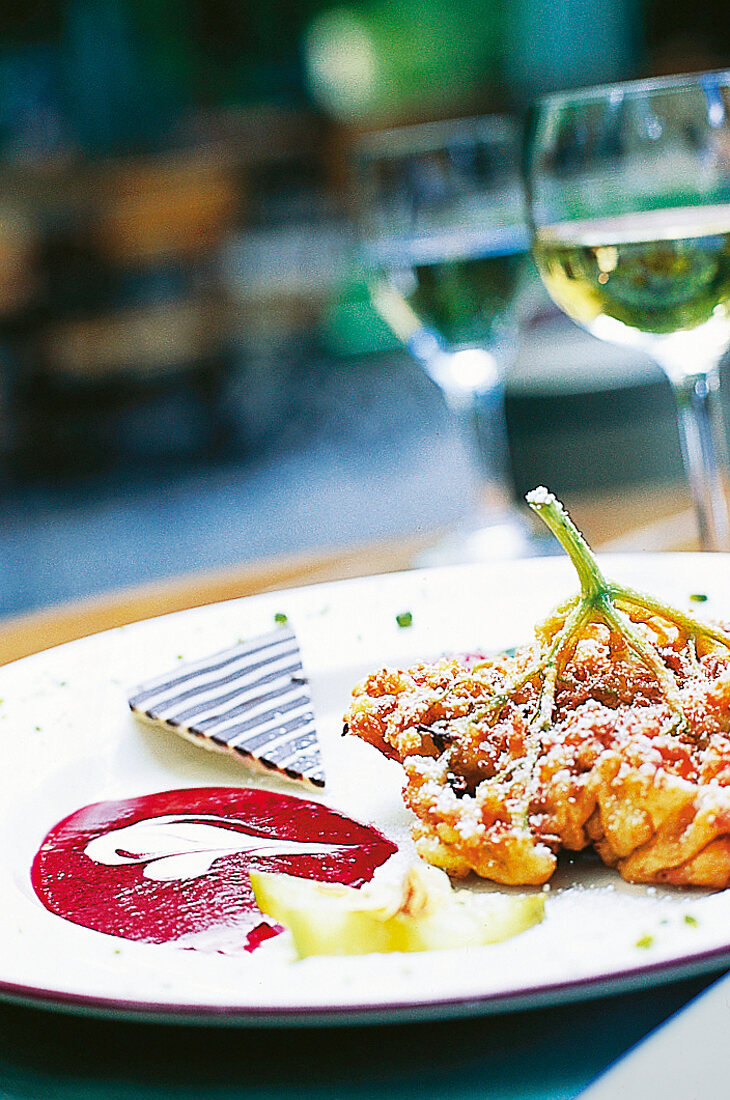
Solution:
(251, 700)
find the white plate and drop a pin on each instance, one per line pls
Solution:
(68, 740)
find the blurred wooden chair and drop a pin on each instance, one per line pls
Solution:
(177, 206)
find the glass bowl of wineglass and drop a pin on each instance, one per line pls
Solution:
(629, 198)
(441, 210)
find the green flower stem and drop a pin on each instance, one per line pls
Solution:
(603, 601)
(551, 511)
(558, 656)
(619, 622)
(693, 627)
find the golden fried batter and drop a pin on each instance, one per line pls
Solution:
(611, 729)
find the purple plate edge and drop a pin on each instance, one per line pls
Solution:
(530, 997)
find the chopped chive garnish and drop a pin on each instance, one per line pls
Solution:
(281, 617)
(645, 941)
(698, 597)
(404, 619)
(690, 920)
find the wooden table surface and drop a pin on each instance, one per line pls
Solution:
(641, 519)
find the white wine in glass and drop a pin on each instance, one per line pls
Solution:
(445, 237)
(629, 189)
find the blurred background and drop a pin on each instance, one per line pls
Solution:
(191, 373)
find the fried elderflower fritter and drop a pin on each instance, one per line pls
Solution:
(610, 729)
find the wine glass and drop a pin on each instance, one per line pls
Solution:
(444, 233)
(629, 195)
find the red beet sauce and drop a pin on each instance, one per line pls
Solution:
(175, 872)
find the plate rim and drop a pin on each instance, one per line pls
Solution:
(607, 983)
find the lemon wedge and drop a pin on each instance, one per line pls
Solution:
(419, 912)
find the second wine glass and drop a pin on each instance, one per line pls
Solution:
(630, 198)
(442, 214)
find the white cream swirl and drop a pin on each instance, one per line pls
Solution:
(185, 846)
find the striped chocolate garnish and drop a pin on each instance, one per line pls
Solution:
(251, 700)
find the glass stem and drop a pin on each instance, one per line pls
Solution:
(481, 418)
(704, 450)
